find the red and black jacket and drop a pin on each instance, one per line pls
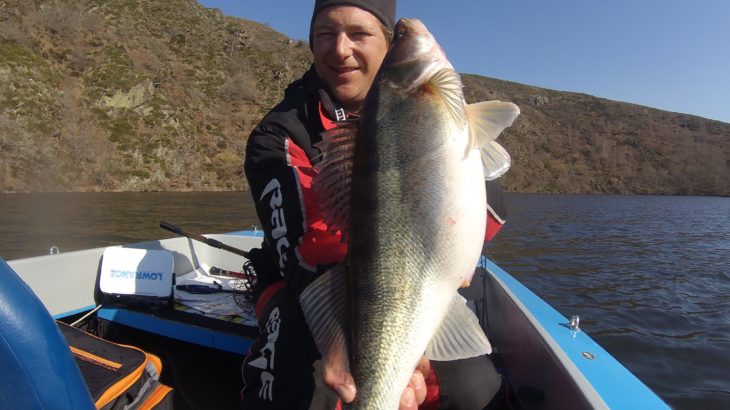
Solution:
(280, 156)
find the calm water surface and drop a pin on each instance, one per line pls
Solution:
(649, 276)
(31, 223)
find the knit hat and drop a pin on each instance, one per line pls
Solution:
(384, 10)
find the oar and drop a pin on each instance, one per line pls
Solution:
(208, 241)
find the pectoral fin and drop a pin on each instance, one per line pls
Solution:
(447, 83)
(459, 336)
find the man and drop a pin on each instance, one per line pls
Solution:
(349, 40)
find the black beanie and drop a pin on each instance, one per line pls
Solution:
(384, 10)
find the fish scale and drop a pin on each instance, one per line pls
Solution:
(412, 179)
(413, 185)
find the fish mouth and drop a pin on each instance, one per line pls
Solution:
(410, 25)
(411, 41)
(414, 55)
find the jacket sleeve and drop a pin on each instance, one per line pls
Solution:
(279, 174)
(496, 210)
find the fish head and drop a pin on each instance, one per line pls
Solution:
(414, 56)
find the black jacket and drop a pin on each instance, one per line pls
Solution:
(279, 166)
(280, 155)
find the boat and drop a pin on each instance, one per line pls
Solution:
(548, 361)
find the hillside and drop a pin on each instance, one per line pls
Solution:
(112, 95)
(575, 143)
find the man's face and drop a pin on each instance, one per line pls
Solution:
(348, 46)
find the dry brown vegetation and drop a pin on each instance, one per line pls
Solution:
(133, 95)
(575, 143)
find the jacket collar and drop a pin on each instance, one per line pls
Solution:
(333, 111)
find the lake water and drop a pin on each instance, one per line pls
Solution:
(648, 275)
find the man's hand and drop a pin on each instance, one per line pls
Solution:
(415, 393)
(340, 381)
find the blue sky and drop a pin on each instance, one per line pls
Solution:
(668, 54)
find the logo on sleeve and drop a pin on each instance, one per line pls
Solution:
(278, 222)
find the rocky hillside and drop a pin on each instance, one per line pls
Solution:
(133, 95)
(575, 143)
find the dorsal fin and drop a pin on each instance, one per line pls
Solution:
(324, 305)
(332, 183)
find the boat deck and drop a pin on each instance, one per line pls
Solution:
(548, 364)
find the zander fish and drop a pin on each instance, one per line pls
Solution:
(405, 186)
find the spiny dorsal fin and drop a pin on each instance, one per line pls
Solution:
(487, 120)
(333, 181)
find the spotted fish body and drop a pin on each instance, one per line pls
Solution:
(414, 215)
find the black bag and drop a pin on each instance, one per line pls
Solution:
(117, 376)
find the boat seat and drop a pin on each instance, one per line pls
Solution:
(38, 370)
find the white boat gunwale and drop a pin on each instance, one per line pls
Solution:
(525, 330)
(597, 378)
